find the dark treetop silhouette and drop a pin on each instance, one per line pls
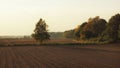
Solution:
(41, 32)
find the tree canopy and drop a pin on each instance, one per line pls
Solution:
(112, 30)
(41, 32)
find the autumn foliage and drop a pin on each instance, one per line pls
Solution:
(98, 28)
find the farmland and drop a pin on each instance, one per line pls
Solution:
(77, 56)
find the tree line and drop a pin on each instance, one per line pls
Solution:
(94, 28)
(97, 28)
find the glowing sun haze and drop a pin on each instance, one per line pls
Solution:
(18, 17)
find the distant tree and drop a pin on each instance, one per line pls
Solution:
(41, 32)
(99, 27)
(104, 36)
(112, 32)
(78, 30)
(69, 34)
(86, 34)
(94, 27)
(114, 27)
(56, 35)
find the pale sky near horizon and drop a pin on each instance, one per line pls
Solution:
(18, 17)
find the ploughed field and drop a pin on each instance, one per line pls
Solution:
(77, 56)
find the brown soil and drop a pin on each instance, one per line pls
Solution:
(32, 41)
(79, 56)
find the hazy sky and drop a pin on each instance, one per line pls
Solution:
(18, 17)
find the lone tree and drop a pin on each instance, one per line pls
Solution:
(41, 32)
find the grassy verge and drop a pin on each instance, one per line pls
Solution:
(59, 42)
(53, 44)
